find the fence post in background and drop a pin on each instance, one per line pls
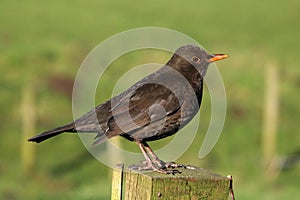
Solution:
(28, 114)
(270, 120)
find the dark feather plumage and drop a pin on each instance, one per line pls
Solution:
(155, 107)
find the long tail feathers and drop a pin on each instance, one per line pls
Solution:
(51, 133)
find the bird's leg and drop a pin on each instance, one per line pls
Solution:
(144, 165)
(143, 146)
(148, 159)
(159, 162)
(155, 159)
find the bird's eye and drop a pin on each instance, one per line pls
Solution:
(195, 59)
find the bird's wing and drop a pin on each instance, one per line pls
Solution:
(146, 104)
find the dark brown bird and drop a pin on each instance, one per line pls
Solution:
(155, 107)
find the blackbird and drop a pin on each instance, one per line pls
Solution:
(153, 108)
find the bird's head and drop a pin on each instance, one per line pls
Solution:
(189, 56)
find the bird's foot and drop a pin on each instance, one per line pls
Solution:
(159, 163)
(174, 165)
(141, 166)
(163, 164)
(166, 171)
(155, 166)
(162, 167)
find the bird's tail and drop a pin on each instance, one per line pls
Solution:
(51, 133)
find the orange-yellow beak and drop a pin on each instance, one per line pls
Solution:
(216, 57)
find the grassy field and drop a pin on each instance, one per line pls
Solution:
(44, 42)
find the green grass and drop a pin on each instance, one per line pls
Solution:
(40, 39)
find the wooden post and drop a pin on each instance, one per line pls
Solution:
(192, 183)
(28, 128)
(117, 183)
(270, 120)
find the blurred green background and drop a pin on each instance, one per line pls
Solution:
(42, 44)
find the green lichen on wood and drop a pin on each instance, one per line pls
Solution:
(191, 184)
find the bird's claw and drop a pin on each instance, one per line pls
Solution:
(167, 171)
(158, 166)
(174, 165)
(141, 166)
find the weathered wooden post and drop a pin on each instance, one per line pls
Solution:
(192, 183)
(270, 120)
(28, 128)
